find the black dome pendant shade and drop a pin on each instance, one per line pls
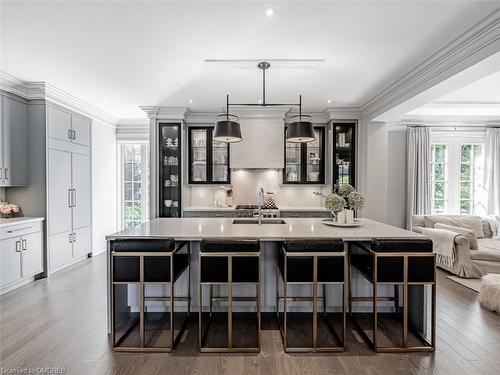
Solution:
(300, 128)
(227, 127)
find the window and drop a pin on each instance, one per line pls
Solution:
(457, 172)
(134, 186)
(439, 178)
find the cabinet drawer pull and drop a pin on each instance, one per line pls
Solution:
(70, 134)
(74, 198)
(18, 246)
(219, 215)
(69, 197)
(74, 237)
(70, 238)
(74, 134)
(24, 247)
(18, 229)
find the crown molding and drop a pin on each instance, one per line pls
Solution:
(451, 121)
(166, 113)
(478, 42)
(50, 93)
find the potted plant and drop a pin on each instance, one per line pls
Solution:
(342, 202)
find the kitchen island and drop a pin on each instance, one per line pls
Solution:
(270, 235)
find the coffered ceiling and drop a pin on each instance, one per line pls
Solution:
(117, 55)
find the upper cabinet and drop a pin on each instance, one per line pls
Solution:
(208, 159)
(13, 141)
(305, 162)
(68, 127)
(344, 153)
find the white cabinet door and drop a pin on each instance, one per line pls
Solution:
(81, 244)
(81, 190)
(15, 139)
(2, 182)
(59, 124)
(31, 256)
(10, 260)
(59, 186)
(81, 130)
(60, 248)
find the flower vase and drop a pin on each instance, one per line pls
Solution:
(349, 216)
(229, 201)
(341, 217)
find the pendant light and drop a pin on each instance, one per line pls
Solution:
(299, 127)
(227, 127)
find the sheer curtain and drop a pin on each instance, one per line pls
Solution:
(492, 170)
(418, 181)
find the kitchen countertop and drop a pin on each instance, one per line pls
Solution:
(194, 229)
(18, 220)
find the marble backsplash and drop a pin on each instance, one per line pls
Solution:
(246, 184)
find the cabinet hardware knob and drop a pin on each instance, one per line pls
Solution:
(6, 173)
(74, 134)
(18, 246)
(69, 134)
(69, 197)
(70, 240)
(1, 173)
(24, 247)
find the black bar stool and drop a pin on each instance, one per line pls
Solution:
(410, 266)
(315, 263)
(229, 263)
(136, 264)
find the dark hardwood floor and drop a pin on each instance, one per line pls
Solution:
(61, 322)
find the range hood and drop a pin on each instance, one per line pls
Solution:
(262, 144)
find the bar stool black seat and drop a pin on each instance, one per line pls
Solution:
(226, 262)
(135, 264)
(409, 265)
(318, 262)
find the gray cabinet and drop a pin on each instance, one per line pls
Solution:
(309, 213)
(13, 142)
(209, 213)
(21, 254)
(67, 126)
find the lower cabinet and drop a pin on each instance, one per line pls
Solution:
(301, 213)
(69, 247)
(21, 255)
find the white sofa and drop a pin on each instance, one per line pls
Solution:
(469, 263)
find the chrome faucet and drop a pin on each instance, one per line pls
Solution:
(261, 201)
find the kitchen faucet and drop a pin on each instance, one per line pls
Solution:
(261, 201)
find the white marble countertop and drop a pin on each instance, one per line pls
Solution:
(281, 208)
(18, 220)
(195, 229)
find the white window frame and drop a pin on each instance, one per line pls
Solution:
(453, 142)
(144, 180)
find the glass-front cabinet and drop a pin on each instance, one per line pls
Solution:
(305, 162)
(208, 159)
(170, 170)
(344, 153)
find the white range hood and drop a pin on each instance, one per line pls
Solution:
(261, 146)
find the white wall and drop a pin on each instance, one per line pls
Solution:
(104, 183)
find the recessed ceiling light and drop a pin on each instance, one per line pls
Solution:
(259, 101)
(269, 12)
(190, 101)
(330, 101)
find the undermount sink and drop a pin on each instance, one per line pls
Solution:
(256, 221)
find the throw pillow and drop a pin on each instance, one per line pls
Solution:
(471, 222)
(466, 232)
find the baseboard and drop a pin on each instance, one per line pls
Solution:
(16, 284)
(67, 264)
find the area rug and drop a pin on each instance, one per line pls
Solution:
(473, 284)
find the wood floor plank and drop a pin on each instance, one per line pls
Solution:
(61, 322)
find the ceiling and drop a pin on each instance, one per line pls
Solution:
(480, 98)
(118, 55)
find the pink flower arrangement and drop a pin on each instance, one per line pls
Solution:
(8, 209)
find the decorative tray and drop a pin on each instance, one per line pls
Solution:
(331, 222)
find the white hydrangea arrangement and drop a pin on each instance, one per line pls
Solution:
(343, 197)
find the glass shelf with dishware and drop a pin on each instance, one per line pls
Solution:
(208, 159)
(344, 151)
(169, 171)
(305, 162)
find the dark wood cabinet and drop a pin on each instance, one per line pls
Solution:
(170, 170)
(344, 153)
(305, 162)
(208, 159)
